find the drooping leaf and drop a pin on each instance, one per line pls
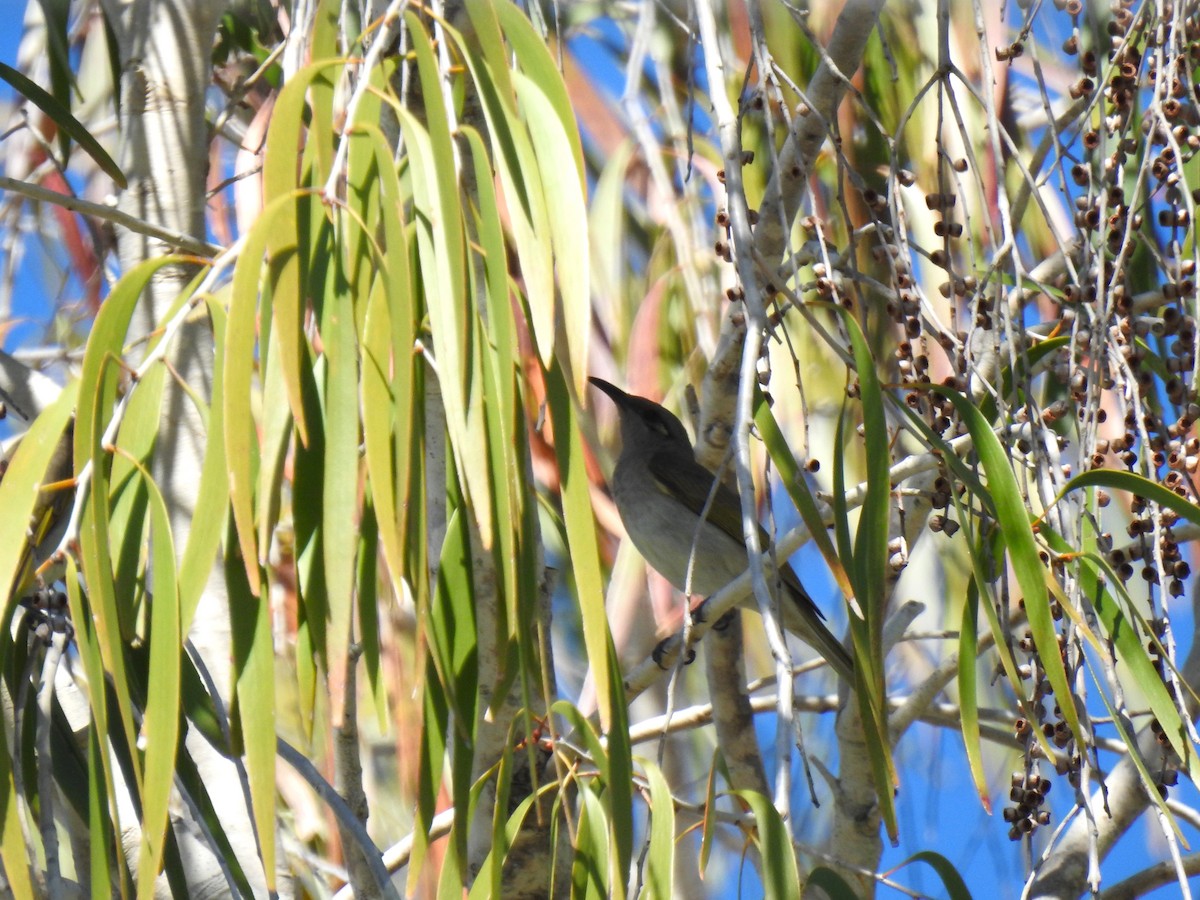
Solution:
(60, 113)
(1013, 515)
(160, 725)
(581, 538)
(660, 860)
(869, 575)
(212, 497)
(566, 207)
(968, 693)
(781, 878)
(951, 879)
(254, 687)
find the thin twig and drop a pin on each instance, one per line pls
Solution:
(171, 238)
(342, 812)
(390, 17)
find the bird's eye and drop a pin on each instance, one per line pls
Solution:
(659, 425)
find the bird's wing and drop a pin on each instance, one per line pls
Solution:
(690, 482)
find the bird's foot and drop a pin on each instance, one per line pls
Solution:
(665, 649)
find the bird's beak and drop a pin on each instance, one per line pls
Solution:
(618, 396)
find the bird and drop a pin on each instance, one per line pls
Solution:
(661, 490)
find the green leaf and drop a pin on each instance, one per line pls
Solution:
(100, 780)
(288, 125)
(60, 114)
(282, 235)
(254, 687)
(442, 245)
(160, 726)
(829, 881)
(128, 516)
(378, 411)
(100, 817)
(1013, 516)
(1124, 626)
(435, 716)
(26, 470)
(781, 879)
(581, 539)
(1137, 485)
(980, 564)
(710, 824)
(489, 881)
(57, 15)
(1027, 363)
(241, 444)
(660, 861)
(590, 869)
(212, 498)
(566, 207)
(500, 395)
(517, 165)
(307, 476)
(539, 65)
(489, 41)
(1126, 734)
(869, 575)
(796, 485)
(968, 692)
(277, 429)
(367, 600)
(113, 630)
(615, 764)
(486, 887)
(387, 346)
(951, 879)
(105, 342)
(339, 505)
(455, 646)
(1131, 649)
(13, 850)
(618, 776)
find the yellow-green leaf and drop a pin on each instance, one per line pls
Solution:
(1013, 516)
(160, 725)
(581, 538)
(781, 878)
(212, 498)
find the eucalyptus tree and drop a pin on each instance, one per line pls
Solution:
(314, 582)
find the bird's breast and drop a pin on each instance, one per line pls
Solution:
(668, 535)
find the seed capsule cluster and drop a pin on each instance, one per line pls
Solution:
(1028, 795)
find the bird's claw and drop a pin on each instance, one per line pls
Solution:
(664, 648)
(659, 652)
(724, 622)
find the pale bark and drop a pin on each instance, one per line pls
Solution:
(856, 819)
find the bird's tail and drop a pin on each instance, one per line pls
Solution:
(804, 619)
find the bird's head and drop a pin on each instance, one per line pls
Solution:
(644, 423)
